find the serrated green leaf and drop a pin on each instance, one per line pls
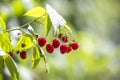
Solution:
(35, 12)
(25, 42)
(36, 56)
(11, 67)
(1, 64)
(48, 24)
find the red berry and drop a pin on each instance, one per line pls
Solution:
(56, 43)
(42, 41)
(65, 38)
(69, 49)
(49, 48)
(23, 54)
(74, 45)
(11, 54)
(63, 49)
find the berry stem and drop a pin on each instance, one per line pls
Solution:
(24, 25)
(45, 60)
(46, 64)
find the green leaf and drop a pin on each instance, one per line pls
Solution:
(25, 42)
(56, 19)
(1, 64)
(35, 12)
(11, 67)
(5, 42)
(6, 36)
(36, 56)
(48, 24)
(3, 27)
(2, 24)
(65, 30)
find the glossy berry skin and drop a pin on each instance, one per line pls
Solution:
(11, 54)
(23, 54)
(65, 39)
(63, 49)
(56, 43)
(41, 41)
(74, 45)
(69, 49)
(49, 48)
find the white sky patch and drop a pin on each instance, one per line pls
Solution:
(2, 53)
(57, 19)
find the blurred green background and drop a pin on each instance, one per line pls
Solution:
(95, 25)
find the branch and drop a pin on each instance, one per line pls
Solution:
(24, 25)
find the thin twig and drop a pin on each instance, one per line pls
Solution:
(11, 29)
(24, 25)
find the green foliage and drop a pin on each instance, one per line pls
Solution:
(11, 67)
(2, 24)
(64, 30)
(28, 40)
(98, 57)
(35, 12)
(25, 42)
(1, 64)
(5, 43)
(36, 56)
(48, 24)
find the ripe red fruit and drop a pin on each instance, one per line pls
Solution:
(11, 54)
(49, 48)
(56, 43)
(74, 45)
(69, 49)
(42, 41)
(65, 38)
(23, 54)
(63, 49)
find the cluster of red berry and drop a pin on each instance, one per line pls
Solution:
(23, 54)
(56, 43)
